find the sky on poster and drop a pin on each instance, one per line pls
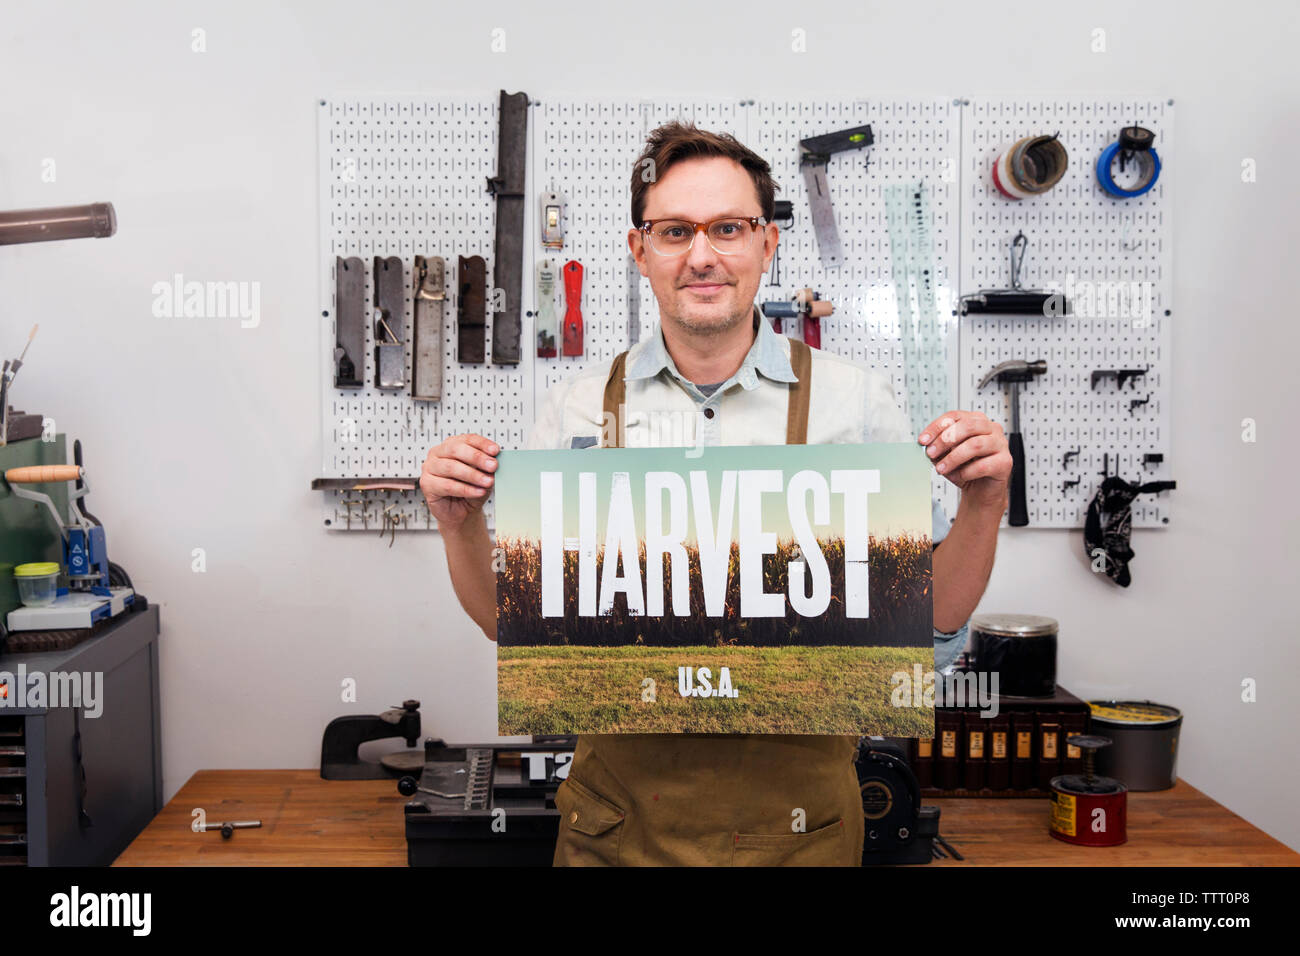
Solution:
(902, 506)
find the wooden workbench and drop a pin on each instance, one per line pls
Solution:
(307, 821)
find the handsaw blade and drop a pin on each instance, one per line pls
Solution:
(829, 249)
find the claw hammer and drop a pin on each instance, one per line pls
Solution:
(1015, 373)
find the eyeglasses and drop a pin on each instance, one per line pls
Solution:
(728, 237)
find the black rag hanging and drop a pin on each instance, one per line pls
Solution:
(1109, 523)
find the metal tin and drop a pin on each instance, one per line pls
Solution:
(1020, 649)
(1089, 812)
(1144, 754)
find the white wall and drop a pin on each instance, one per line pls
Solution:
(200, 434)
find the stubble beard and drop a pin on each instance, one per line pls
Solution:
(709, 327)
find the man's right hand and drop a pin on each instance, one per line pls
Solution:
(457, 478)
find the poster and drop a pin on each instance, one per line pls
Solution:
(728, 589)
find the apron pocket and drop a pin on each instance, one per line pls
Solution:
(590, 834)
(823, 847)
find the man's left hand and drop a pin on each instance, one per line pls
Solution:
(972, 453)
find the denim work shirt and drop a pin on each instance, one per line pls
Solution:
(850, 403)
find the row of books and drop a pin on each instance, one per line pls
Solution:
(1016, 752)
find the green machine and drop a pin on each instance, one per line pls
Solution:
(26, 532)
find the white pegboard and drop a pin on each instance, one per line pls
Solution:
(406, 176)
(586, 149)
(916, 141)
(1074, 229)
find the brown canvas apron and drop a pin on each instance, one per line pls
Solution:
(712, 799)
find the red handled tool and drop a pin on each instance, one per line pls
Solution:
(572, 308)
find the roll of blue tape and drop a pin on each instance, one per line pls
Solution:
(1149, 178)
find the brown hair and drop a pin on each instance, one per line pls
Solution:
(675, 141)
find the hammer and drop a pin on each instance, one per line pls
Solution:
(1014, 373)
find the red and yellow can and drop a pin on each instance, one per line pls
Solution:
(1089, 811)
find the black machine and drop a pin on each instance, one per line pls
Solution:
(486, 805)
(495, 805)
(340, 756)
(898, 828)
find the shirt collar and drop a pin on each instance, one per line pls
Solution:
(766, 355)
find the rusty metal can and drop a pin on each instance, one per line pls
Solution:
(1088, 810)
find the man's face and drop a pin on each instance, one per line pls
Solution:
(699, 289)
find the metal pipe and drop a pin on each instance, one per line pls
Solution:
(92, 221)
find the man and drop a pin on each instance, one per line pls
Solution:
(703, 234)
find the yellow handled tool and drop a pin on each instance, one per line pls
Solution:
(36, 474)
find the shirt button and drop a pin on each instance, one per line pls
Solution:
(573, 817)
(708, 413)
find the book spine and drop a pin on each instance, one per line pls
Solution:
(1022, 754)
(1049, 747)
(947, 765)
(974, 749)
(923, 764)
(999, 751)
(1072, 723)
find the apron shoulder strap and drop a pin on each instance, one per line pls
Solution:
(615, 395)
(796, 422)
